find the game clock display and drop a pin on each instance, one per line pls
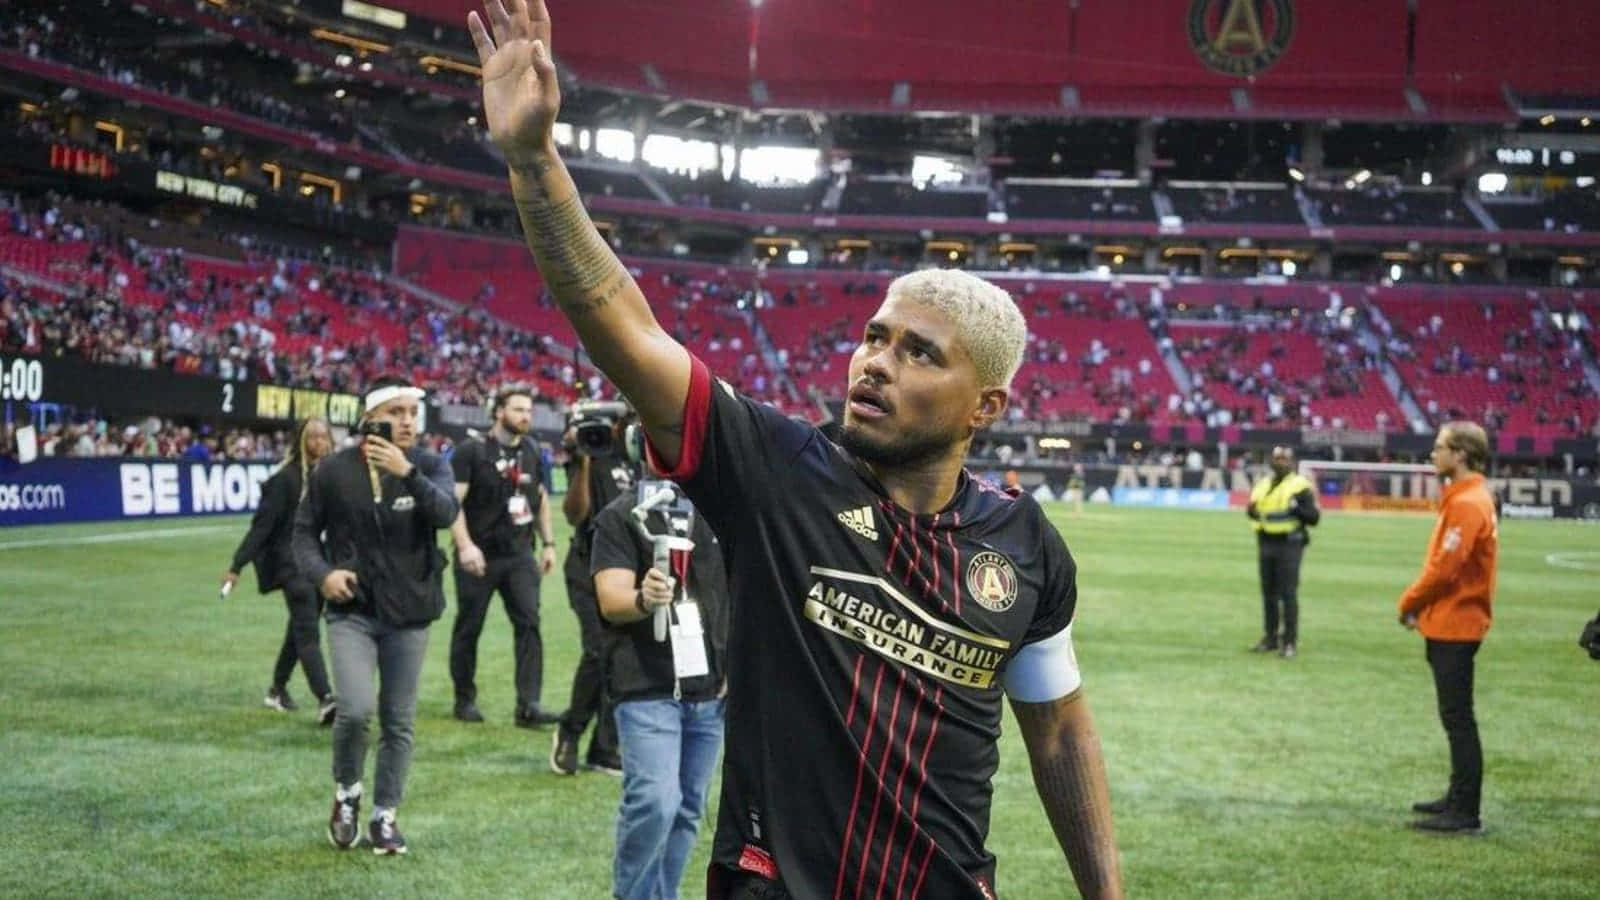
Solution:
(21, 379)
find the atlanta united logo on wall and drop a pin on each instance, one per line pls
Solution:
(992, 581)
(1240, 37)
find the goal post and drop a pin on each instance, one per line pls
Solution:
(1392, 487)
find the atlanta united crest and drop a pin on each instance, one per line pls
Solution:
(1240, 37)
(992, 581)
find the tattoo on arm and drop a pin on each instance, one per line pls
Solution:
(1069, 772)
(580, 269)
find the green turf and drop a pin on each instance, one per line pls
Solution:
(138, 761)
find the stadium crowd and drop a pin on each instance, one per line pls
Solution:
(149, 307)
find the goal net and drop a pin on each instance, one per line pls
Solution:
(1397, 487)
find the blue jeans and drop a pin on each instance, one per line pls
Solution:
(669, 749)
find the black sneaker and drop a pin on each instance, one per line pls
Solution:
(1265, 645)
(563, 754)
(1432, 807)
(343, 832)
(384, 836)
(327, 711)
(534, 717)
(1449, 822)
(468, 712)
(610, 764)
(1288, 651)
(278, 698)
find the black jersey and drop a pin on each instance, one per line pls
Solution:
(865, 655)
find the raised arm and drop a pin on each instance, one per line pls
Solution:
(1069, 772)
(594, 291)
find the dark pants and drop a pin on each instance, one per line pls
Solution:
(1452, 682)
(516, 577)
(1280, 587)
(589, 700)
(302, 640)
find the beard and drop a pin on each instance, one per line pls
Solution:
(905, 448)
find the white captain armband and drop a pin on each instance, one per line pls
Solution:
(1044, 670)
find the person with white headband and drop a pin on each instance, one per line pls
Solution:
(366, 535)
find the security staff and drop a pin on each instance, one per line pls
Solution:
(366, 534)
(1282, 506)
(592, 483)
(500, 483)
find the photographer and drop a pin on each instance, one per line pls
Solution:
(598, 471)
(267, 546)
(667, 687)
(500, 483)
(366, 534)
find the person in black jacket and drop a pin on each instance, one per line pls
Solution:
(667, 688)
(266, 545)
(367, 535)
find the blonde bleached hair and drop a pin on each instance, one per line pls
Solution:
(987, 320)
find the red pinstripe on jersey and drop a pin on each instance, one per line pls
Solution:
(861, 768)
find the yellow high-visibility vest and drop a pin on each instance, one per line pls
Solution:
(1273, 503)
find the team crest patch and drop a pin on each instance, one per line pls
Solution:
(992, 581)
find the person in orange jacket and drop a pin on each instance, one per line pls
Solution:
(1450, 604)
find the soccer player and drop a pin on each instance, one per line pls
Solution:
(1282, 506)
(1450, 604)
(1077, 486)
(885, 600)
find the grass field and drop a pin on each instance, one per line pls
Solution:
(138, 760)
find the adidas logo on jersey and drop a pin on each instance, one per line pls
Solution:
(860, 521)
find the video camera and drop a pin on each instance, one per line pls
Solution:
(594, 426)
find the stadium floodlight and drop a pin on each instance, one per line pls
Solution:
(1427, 178)
(1395, 271)
(1288, 267)
(1363, 176)
(1492, 182)
(1296, 174)
(799, 256)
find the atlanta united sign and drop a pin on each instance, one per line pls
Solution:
(1240, 37)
